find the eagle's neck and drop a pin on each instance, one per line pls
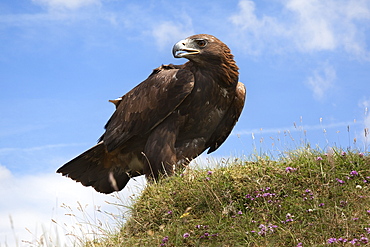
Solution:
(224, 70)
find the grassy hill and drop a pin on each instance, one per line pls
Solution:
(308, 198)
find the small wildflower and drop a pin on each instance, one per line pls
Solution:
(344, 153)
(165, 239)
(361, 155)
(340, 181)
(368, 211)
(318, 158)
(288, 215)
(240, 212)
(321, 204)
(367, 229)
(332, 240)
(186, 235)
(353, 173)
(265, 229)
(184, 215)
(299, 245)
(342, 240)
(354, 219)
(364, 240)
(290, 169)
(209, 172)
(358, 186)
(208, 178)
(353, 241)
(310, 210)
(169, 212)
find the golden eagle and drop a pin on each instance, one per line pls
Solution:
(173, 116)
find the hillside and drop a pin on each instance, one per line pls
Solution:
(308, 198)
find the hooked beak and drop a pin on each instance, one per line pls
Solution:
(183, 48)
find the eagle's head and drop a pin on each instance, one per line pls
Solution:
(207, 52)
(201, 48)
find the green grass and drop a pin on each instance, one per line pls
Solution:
(307, 198)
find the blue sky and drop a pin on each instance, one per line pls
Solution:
(304, 62)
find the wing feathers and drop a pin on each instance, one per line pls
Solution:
(229, 120)
(144, 107)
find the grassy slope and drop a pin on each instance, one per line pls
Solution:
(307, 199)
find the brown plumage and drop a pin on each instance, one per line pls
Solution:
(173, 116)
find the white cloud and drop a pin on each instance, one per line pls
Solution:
(322, 81)
(305, 26)
(33, 201)
(166, 32)
(255, 33)
(313, 30)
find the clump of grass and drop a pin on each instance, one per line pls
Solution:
(307, 198)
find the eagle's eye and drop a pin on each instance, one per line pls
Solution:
(201, 42)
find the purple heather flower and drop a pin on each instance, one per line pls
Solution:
(186, 235)
(206, 234)
(361, 154)
(353, 241)
(169, 212)
(364, 240)
(321, 204)
(299, 245)
(354, 173)
(318, 158)
(209, 172)
(368, 211)
(332, 240)
(290, 169)
(240, 212)
(367, 229)
(344, 153)
(340, 181)
(343, 240)
(165, 239)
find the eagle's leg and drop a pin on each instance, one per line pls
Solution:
(159, 152)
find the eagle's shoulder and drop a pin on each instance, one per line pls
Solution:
(148, 104)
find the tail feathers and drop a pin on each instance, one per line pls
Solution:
(88, 169)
